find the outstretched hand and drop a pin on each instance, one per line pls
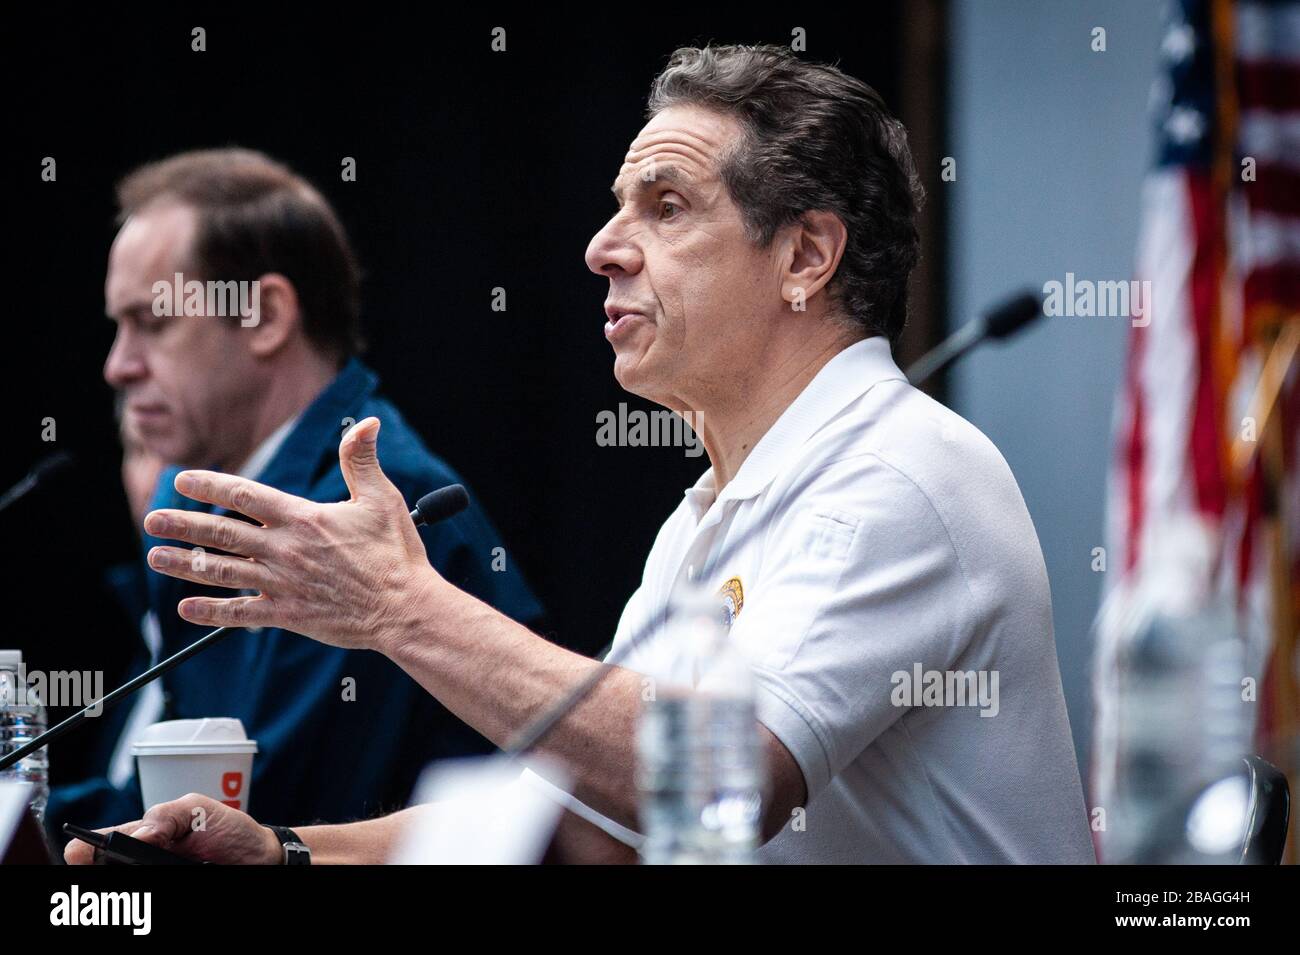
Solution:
(349, 574)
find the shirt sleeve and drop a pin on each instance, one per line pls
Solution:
(859, 582)
(611, 828)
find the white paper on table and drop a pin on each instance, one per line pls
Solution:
(14, 799)
(480, 811)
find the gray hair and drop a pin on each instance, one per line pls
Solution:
(814, 139)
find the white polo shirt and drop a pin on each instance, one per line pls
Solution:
(897, 614)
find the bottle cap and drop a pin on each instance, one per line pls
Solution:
(11, 658)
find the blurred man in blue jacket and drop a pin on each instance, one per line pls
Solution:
(236, 299)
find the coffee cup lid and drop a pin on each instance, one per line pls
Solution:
(210, 735)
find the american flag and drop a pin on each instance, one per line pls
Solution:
(1208, 417)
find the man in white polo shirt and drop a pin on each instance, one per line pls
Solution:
(893, 599)
(893, 540)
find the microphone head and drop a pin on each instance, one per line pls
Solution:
(1013, 314)
(440, 504)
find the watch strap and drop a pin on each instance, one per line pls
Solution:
(295, 850)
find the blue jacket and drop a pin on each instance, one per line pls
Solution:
(320, 757)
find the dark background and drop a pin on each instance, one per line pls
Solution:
(475, 169)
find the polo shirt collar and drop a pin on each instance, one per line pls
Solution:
(840, 382)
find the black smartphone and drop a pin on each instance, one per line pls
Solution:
(117, 847)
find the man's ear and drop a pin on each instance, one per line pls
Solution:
(812, 252)
(275, 317)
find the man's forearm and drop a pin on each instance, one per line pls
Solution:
(370, 842)
(498, 676)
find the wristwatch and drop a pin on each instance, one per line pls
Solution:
(295, 850)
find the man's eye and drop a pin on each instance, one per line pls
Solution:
(668, 209)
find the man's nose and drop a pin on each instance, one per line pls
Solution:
(124, 363)
(611, 251)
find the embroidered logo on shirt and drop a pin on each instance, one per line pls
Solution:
(733, 599)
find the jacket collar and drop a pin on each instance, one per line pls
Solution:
(308, 451)
(313, 444)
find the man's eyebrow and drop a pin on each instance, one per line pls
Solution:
(669, 173)
(130, 309)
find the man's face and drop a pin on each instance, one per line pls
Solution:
(186, 381)
(688, 290)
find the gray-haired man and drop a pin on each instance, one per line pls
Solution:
(757, 267)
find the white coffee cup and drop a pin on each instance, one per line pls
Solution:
(211, 756)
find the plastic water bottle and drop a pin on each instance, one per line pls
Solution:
(22, 717)
(1181, 723)
(700, 769)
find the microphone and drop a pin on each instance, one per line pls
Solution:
(1002, 322)
(440, 504)
(433, 507)
(44, 469)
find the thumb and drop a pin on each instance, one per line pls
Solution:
(359, 459)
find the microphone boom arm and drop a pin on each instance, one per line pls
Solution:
(433, 507)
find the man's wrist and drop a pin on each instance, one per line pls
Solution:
(273, 854)
(411, 623)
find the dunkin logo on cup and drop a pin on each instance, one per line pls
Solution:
(232, 785)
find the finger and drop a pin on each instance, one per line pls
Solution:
(207, 530)
(234, 573)
(230, 611)
(359, 459)
(241, 495)
(77, 852)
(168, 822)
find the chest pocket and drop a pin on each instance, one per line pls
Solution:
(786, 599)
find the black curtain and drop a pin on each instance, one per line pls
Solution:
(475, 170)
